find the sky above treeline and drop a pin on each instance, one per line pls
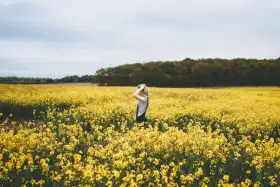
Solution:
(56, 38)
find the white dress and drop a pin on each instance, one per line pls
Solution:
(142, 106)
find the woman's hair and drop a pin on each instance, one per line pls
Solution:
(141, 85)
(145, 90)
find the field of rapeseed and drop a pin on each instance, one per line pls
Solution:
(87, 136)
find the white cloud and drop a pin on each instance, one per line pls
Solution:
(58, 38)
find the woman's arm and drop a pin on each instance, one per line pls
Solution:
(137, 96)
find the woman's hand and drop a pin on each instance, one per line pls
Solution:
(136, 93)
(142, 86)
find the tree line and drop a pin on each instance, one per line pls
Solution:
(185, 73)
(36, 80)
(194, 73)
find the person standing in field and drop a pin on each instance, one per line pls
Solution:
(142, 95)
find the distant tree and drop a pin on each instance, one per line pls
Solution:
(185, 73)
(189, 72)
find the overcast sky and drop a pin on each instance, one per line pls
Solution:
(55, 38)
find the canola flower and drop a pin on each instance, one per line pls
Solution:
(87, 136)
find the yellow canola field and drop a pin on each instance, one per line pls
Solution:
(87, 136)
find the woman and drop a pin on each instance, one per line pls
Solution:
(142, 95)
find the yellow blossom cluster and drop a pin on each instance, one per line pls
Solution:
(87, 136)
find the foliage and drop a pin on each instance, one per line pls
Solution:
(87, 136)
(34, 80)
(195, 73)
(185, 73)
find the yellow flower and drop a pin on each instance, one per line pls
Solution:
(171, 164)
(226, 178)
(139, 177)
(116, 174)
(83, 137)
(272, 180)
(156, 162)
